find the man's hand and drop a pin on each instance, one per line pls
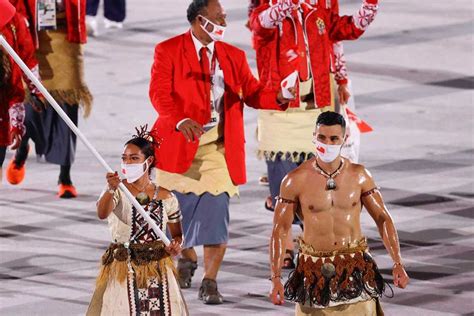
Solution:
(191, 130)
(400, 276)
(174, 248)
(277, 294)
(16, 139)
(282, 100)
(343, 93)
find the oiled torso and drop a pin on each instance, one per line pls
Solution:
(331, 217)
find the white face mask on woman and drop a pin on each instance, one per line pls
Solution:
(218, 31)
(327, 153)
(133, 172)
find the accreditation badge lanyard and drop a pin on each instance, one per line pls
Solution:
(46, 13)
(214, 114)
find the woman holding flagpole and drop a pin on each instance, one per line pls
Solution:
(137, 274)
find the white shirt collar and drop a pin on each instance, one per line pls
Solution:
(198, 45)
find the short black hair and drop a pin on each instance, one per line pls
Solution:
(196, 7)
(331, 118)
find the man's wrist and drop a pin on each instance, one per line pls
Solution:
(275, 276)
(181, 122)
(397, 263)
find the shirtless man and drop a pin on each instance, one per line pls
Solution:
(335, 272)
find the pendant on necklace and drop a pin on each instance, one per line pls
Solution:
(330, 184)
(143, 198)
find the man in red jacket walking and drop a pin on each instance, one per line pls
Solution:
(199, 85)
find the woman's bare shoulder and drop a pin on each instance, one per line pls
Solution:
(164, 194)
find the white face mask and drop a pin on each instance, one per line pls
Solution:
(218, 31)
(327, 153)
(133, 172)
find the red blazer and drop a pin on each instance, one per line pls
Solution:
(177, 91)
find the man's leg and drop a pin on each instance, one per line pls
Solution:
(21, 153)
(212, 217)
(213, 256)
(16, 168)
(205, 222)
(62, 146)
(187, 264)
(92, 6)
(114, 10)
(189, 253)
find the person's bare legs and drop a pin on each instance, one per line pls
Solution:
(187, 264)
(213, 256)
(190, 254)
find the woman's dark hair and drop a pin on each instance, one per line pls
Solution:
(331, 118)
(196, 7)
(146, 142)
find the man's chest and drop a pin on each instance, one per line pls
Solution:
(323, 193)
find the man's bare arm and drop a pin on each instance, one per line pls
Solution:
(373, 202)
(283, 218)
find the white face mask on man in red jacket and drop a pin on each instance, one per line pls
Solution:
(218, 31)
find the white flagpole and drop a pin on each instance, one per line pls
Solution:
(79, 134)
